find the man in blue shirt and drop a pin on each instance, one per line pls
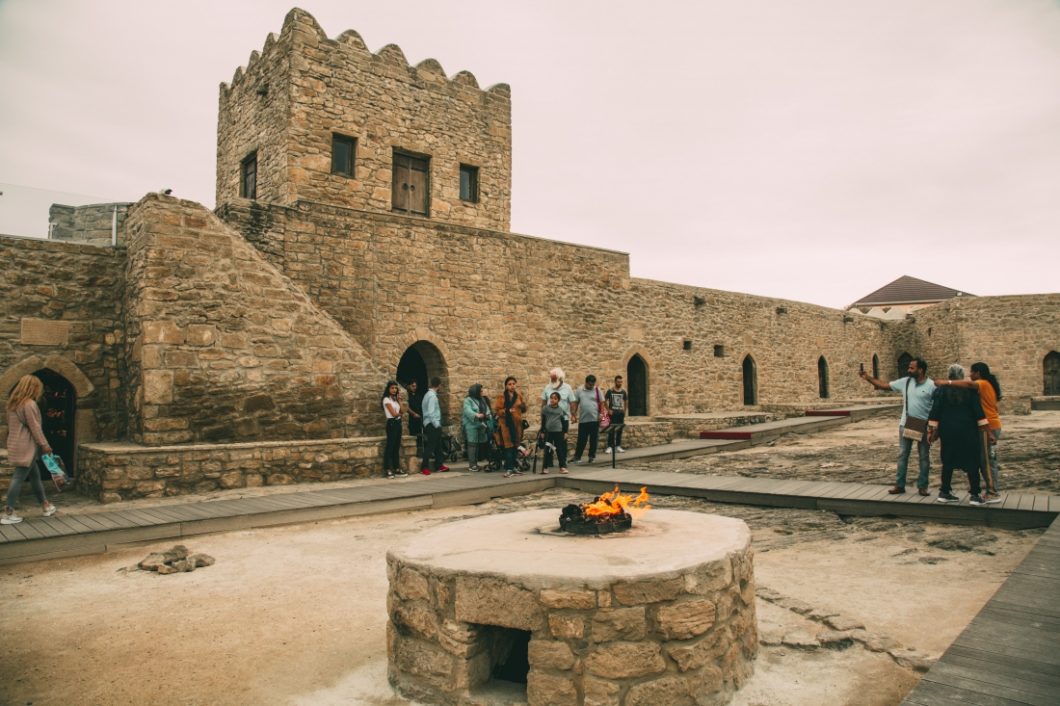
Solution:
(917, 390)
(432, 430)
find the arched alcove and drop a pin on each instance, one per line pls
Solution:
(58, 409)
(903, 364)
(637, 383)
(875, 366)
(420, 362)
(822, 377)
(1051, 374)
(750, 380)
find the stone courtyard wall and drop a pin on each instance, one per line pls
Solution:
(223, 347)
(1012, 334)
(61, 307)
(303, 87)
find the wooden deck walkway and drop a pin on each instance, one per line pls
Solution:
(1009, 655)
(91, 531)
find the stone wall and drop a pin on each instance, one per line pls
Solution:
(1012, 334)
(303, 87)
(124, 471)
(223, 347)
(61, 307)
(497, 304)
(95, 224)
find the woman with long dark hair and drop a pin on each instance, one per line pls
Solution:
(509, 409)
(989, 389)
(391, 402)
(25, 442)
(956, 417)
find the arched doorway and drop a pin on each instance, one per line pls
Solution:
(637, 382)
(1051, 373)
(875, 366)
(822, 377)
(750, 381)
(903, 365)
(57, 411)
(420, 362)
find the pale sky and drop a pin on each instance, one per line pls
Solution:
(812, 150)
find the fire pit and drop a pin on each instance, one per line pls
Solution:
(509, 608)
(610, 512)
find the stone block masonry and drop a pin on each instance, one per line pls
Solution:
(223, 347)
(111, 472)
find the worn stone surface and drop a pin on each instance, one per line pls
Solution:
(611, 624)
(625, 659)
(684, 620)
(492, 602)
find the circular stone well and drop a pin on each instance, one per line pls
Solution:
(506, 609)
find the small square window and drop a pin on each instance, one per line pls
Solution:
(687, 344)
(719, 351)
(248, 176)
(468, 183)
(343, 154)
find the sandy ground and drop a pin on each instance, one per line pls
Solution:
(296, 615)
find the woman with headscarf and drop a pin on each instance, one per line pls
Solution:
(509, 409)
(477, 424)
(956, 417)
(25, 442)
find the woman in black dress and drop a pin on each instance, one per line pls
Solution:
(956, 418)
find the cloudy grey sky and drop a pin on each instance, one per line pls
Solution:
(811, 150)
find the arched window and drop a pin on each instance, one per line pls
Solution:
(822, 377)
(637, 381)
(1051, 373)
(875, 366)
(750, 381)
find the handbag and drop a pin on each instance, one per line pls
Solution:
(57, 469)
(605, 416)
(915, 428)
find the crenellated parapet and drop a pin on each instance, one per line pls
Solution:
(303, 91)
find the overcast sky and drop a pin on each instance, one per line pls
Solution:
(811, 150)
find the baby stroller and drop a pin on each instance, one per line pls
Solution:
(451, 447)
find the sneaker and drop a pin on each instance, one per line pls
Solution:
(443, 468)
(896, 490)
(389, 474)
(607, 450)
(401, 474)
(508, 474)
(947, 498)
(592, 459)
(474, 469)
(425, 471)
(975, 500)
(991, 498)
(10, 518)
(620, 450)
(564, 471)
(923, 491)
(49, 510)
(519, 473)
(544, 471)
(575, 461)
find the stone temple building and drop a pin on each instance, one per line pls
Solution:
(362, 233)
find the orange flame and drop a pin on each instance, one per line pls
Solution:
(614, 503)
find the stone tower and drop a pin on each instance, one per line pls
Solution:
(325, 121)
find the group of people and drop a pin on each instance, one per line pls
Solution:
(501, 424)
(963, 415)
(25, 444)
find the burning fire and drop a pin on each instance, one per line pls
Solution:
(614, 503)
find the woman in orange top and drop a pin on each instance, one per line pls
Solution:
(989, 393)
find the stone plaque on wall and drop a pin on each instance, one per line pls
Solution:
(44, 332)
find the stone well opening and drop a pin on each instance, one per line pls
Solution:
(661, 613)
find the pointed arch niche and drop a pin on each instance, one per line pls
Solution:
(750, 380)
(638, 385)
(822, 377)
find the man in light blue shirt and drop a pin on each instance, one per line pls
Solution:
(432, 430)
(917, 390)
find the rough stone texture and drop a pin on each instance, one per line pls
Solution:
(672, 647)
(303, 87)
(111, 472)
